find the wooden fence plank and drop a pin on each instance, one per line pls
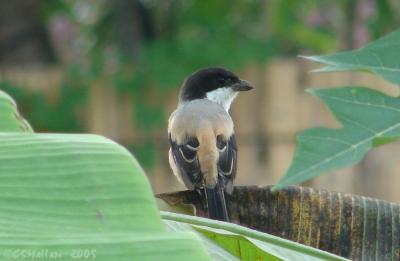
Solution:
(245, 114)
(281, 98)
(102, 110)
(46, 80)
(280, 123)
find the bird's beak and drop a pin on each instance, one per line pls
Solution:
(242, 86)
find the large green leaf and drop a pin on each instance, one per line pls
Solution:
(68, 193)
(248, 244)
(366, 115)
(10, 120)
(104, 246)
(381, 57)
(216, 252)
(70, 197)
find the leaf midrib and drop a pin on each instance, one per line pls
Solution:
(353, 147)
(359, 65)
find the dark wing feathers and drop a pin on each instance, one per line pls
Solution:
(227, 164)
(185, 157)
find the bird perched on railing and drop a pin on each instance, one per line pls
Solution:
(203, 153)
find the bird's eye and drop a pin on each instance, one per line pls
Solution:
(220, 80)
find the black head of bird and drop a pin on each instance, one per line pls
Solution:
(215, 84)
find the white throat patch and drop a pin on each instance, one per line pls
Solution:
(223, 96)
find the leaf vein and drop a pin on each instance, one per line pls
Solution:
(328, 159)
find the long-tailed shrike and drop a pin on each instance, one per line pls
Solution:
(203, 153)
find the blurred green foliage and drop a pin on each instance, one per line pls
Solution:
(176, 37)
(48, 117)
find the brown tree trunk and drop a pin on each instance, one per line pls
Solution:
(133, 26)
(23, 37)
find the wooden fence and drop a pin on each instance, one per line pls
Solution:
(266, 121)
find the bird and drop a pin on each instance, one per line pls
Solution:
(203, 150)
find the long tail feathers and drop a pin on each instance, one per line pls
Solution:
(216, 203)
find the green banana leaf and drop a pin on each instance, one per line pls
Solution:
(10, 119)
(249, 244)
(75, 197)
